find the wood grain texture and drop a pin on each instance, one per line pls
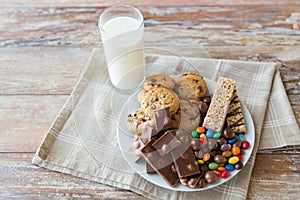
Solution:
(94, 3)
(219, 25)
(24, 120)
(21, 179)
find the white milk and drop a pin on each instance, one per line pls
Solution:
(123, 42)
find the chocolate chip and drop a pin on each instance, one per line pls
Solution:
(144, 120)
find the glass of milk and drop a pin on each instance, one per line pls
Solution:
(122, 32)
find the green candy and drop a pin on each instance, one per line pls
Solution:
(213, 166)
(217, 135)
(195, 134)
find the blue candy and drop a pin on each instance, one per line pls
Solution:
(229, 167)
(209, 133)
(242, 137)
(231, 141)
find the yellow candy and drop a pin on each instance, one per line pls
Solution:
(203, 136)
(233, 160)
(226, 154)
(200, 162)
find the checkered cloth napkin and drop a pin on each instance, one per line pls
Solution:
(82, 140)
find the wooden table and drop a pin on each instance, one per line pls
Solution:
(43, 45)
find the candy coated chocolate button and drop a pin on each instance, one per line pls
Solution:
(237, 143)
(245, 145)
(219, 159)
(238, 165)
(203, 107)
(210, 177)
(196, 144)
(228, 133)
(222, 141)
(212, 144)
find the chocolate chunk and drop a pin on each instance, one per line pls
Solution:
(150, 169)
(136, 150)
(185, 162)
(166, 143)
(161, 164)
(147, 132)
(162, 119)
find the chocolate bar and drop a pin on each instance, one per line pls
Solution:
(150, 169)
(235, 118)
(219, 105)
(166, 143)
(163, 165)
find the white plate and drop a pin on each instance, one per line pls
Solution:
(125, 140)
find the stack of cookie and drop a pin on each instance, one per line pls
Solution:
(186, 98)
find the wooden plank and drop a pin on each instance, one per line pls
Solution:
(221, 25)
(24, 120)
(274, 177)
(93, 3)
(39, 70)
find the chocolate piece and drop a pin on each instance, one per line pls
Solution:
(137, 146)
(196, 144)
(219, 105)
(210, 177)
(228, 133)
(162, 119)
(150, 169)
(235, 118)
(185, 162)
(192, 181)
(166, 143)
(220, 159)
(161, 164)
(202, 183)
(147, 132)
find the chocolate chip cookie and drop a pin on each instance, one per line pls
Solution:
(191, 86)
(189, 115)
(159, 80)
(136, 120)
(158, 98)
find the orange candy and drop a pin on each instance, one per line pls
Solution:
(221, 169)
(235, 150)
(206, 157)
(200, 129)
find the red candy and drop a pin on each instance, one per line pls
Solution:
(218, 173)
(225, 174)
(240, 157)
(245, 145)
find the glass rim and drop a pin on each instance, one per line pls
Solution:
(100, 25)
